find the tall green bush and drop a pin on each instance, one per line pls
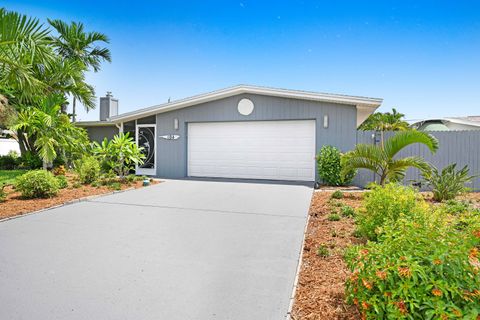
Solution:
(330, 168)
(384, 205)
(37, 184)
(88, 169)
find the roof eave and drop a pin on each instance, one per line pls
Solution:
(363, 102)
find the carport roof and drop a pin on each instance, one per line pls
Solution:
(365, 106)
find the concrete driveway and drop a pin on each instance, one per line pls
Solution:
(182, 249)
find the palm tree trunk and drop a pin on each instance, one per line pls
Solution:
(73, 109)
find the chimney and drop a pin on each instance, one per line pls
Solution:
(108, 106)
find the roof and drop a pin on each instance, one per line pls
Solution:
(467, 120)
(364, 104)
(94, 123)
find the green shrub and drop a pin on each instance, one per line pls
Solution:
(422, 268)
(337, 195)
(9, 161)
(76, 185)
(115, 186)
(384, 205)
(131, 178)
(333, 217)
(322, 251)
(348, 211)
(29, 160)
(3, 194)
(448, 183)
(62, 182)
(108, 178)
(121, 154)
(456, 207)
(330, 168)
(37, 184)
(88, 169)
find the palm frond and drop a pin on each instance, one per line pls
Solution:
(405, 138)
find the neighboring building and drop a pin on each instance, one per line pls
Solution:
(448, 124)
(240, 132)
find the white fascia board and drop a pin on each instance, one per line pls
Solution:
(370, 103)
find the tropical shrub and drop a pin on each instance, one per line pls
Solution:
(423, 267)
(382, 160)
(88, 169)
(50, 129)
(62, 181)
(384, 205)
(330, 168)
(447, 183)
(37, 184)
(121, 154)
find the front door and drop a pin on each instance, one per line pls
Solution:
(146, 139)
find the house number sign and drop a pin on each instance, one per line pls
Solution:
(170, 137)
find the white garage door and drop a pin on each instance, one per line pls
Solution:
(275, 150)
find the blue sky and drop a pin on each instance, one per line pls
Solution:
(422, 57)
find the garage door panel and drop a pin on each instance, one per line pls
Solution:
(278, 150)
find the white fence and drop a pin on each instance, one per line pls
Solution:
(460, 147)
(7, 145)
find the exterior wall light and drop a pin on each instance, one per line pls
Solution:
(175, 123)
(325, 121)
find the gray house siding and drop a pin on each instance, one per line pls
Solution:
(171, 155)
(98, 133)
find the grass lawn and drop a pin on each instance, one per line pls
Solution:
(8, 176)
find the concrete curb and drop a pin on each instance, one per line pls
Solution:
(299, 267)
(84, 199)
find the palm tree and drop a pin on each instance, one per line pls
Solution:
(382, 159)
(74, 44)
(388, 121)
(48, 131)
(24, 46)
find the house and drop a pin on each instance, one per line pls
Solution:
(448, 124)
(243, 131)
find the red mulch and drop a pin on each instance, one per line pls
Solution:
(15, 205)
(320, 291)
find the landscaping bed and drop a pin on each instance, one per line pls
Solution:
(321, 287)
(320, 291)
(15, 205)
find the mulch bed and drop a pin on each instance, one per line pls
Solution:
(320, 292)
(15, 205)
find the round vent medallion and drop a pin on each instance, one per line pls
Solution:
(245, 107)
